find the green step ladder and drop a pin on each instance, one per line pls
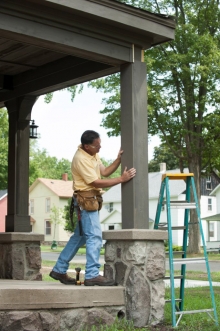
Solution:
(177, 305)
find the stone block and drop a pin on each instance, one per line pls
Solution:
(33, 255)
(49, 321)
(98, 317)
(22, 321)
(73, 320)
(158, 302)
(136, 252)
(138, 295)
(121, 269)
(155, 266)
(110, 251)
(108, 271)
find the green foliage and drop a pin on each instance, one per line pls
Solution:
(4, 149)
(162, 154)
(56, 218)
(110, 85)
(44, 166)
(183, 78)
(72, 89)
(68, 225)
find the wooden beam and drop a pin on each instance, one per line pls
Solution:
(60, 73)
(6, 82)
(63, 40)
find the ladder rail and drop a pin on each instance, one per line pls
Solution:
(204, 250)
(185, 238)
(177, 305)
(172, 285)
(160, 202)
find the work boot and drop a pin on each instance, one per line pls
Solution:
(100, 281)
(63, 278)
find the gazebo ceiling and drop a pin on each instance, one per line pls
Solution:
(46, 45)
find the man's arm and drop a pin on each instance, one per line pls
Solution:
(107, 171)
(125, 177)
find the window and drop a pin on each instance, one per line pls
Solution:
(209, 204)
(211, 229)
(31, 206)
(110, 207)
(111, 227)
(208, 183)
(47, 205)
(47, 227)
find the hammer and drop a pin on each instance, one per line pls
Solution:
(78, 282)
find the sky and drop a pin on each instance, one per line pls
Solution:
(62, 122)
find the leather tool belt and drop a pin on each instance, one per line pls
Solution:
(89, 200)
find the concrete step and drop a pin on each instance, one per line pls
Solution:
(22, 294)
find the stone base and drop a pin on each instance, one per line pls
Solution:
(136, 259)
(20, 256)
(51, 306)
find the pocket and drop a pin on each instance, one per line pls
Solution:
(91, 204)
(100, 200)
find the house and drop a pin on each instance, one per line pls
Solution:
(44, 194)
(212, 223)
(110, 214)
(3, 209)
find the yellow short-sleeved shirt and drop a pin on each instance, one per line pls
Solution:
(85, 170)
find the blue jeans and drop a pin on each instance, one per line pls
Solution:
(92, 237)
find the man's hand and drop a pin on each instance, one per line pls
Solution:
(120, 154)
(128, 174)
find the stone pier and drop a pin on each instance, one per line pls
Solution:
(20, 256)
(136, 259)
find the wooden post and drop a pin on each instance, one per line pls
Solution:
(134, 137)
(19, 111)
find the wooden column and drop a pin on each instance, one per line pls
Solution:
(19, 111)
(134, 142)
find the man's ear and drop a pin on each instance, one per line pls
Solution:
(86, 147)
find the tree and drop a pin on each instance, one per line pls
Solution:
(4, 149)
(162, 154)
(68, 224)
(44, 166)
(183, 89)
(56, 218)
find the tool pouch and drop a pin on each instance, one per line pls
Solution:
(89, 200)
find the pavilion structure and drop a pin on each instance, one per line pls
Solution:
(47, 45)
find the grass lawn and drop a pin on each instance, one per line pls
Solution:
(81, 251)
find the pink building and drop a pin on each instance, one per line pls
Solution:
(3, 209)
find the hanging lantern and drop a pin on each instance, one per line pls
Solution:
(33, 130)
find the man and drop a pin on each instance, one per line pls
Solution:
(87, 170)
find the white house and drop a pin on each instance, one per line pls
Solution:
(110, 215)
(213, 222)
(45, 193)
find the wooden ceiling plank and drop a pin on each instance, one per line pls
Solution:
(57, 39)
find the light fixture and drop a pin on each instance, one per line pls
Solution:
(33, 130)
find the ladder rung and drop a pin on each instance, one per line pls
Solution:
(189, 260)
(175, 277)
(176, 300)
(173, 228)
(182, 204)
(176, 252)
(193, 311)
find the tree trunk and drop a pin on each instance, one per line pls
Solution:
(194, 245)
